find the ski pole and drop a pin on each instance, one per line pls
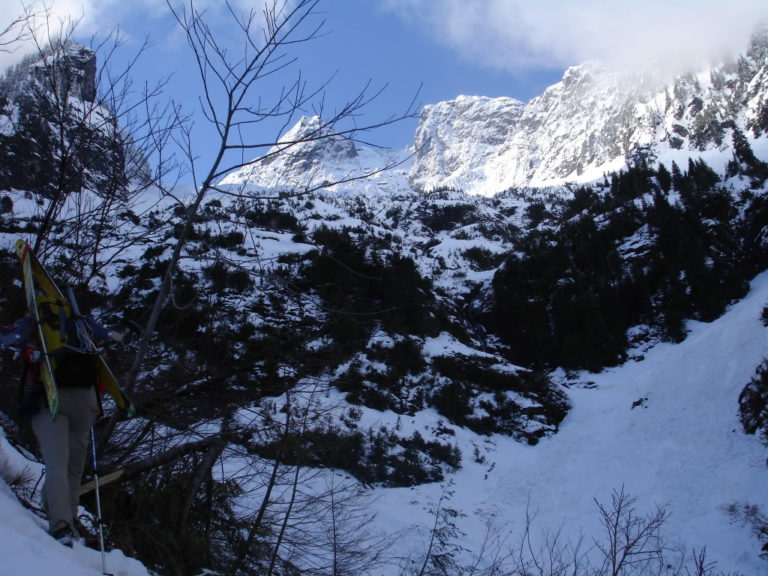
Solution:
(98, 507)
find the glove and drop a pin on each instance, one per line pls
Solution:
(120, 332)
(9, 340)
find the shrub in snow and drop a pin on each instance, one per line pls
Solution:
(753, 404)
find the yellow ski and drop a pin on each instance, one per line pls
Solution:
(46, 370)
(36, 278)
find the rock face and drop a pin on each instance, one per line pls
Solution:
(56, 138)
(587, 124)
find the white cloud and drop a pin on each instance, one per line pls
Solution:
(99, 17)
(522, 34)
(52, 18)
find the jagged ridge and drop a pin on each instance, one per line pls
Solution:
(588, 124)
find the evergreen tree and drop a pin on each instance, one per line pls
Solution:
(664, 178)
(742, 151)
(745, 162)
(676, 176)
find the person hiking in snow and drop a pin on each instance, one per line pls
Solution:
(64, 440)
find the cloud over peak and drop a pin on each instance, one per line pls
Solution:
(515, 35)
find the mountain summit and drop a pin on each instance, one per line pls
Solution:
(306, 157)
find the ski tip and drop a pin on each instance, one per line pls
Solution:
(21, 246)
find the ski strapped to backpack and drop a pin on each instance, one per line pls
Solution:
(60, 328)
(46, 369)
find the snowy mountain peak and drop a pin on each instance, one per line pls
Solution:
(314, 141)
(310, 155)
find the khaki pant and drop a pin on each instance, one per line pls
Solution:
(64, 444)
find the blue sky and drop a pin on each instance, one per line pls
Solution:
(445, 48)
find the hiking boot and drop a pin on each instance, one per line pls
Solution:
(64, 535)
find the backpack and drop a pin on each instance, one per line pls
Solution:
(59, 328)
(73, 362)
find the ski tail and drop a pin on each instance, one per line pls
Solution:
(108, 383)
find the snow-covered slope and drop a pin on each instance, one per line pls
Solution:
(25, 547)
(664, 428)
(681, 447)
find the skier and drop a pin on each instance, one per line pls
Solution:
(64, 440)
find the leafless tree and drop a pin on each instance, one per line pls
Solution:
(92, 132)
(235, 89)
(245, 119)
(548, 553)
(442, 547)
(12, 34)
(350, 543)
(16, 32)
(248, 107)
(324, 524)
(632, 542)
(257, 522)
